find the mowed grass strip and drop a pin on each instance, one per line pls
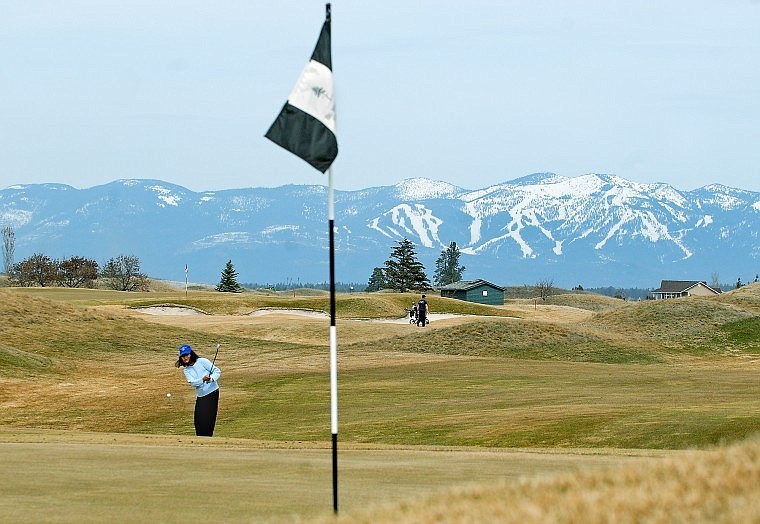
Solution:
(506, 403)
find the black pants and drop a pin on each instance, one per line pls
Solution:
(205, 414)
(421, 318)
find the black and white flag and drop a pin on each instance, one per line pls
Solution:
(306, 124)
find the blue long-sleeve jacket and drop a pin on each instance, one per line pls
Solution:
(195, 373)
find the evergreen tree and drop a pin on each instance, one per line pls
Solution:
(376, 280)
(228, 282)
(403, 271)
(447, 268)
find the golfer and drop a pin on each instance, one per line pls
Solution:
(422, 311)
(203, 376)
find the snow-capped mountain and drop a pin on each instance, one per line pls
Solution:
(591, 230)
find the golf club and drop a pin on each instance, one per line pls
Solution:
(214, 361)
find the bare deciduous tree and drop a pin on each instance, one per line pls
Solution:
(122, 273)
(9, 246)
(38, 269)
(545, 288)
(77, 272)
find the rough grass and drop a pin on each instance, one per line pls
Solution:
(744, 334)
(524, 340)
(719, 486)
(746, 297)
(688, 325)
(589, 301)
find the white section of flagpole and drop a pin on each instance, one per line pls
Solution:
(333, 380)
(330, 196)
(333, 340)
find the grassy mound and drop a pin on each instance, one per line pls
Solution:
(523, 340)
(589, 301)
(691, 324)
(747, 297)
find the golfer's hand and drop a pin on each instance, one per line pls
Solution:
(206, 379)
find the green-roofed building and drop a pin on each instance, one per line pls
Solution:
(479, 291)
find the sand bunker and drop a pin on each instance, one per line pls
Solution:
(169, 310)
(283, 311)
(187, 311)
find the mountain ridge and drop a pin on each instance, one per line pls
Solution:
(592, 230)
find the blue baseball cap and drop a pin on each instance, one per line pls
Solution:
(184, 349)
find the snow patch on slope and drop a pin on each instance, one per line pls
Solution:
(167, 196)
(409, 221)
(231, 237)
(425, 189)
(16, 217)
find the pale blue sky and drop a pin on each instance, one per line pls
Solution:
(473, 93)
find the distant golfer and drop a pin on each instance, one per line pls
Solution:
(422, 311)
(203, 376)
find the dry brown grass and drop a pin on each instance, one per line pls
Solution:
(588, 301)
(747, 297)
(688, 325)
(718, 486)
(81, 361)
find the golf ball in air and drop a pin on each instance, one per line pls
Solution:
(168, 395)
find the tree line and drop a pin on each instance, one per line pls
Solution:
(121, 273)
(404, 272)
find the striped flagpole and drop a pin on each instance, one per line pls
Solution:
(306, 126)
(333, 341)
(333, 330)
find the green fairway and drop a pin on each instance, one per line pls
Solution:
(54, 476)
(509, 403)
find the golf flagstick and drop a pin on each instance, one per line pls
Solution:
(306, 126)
